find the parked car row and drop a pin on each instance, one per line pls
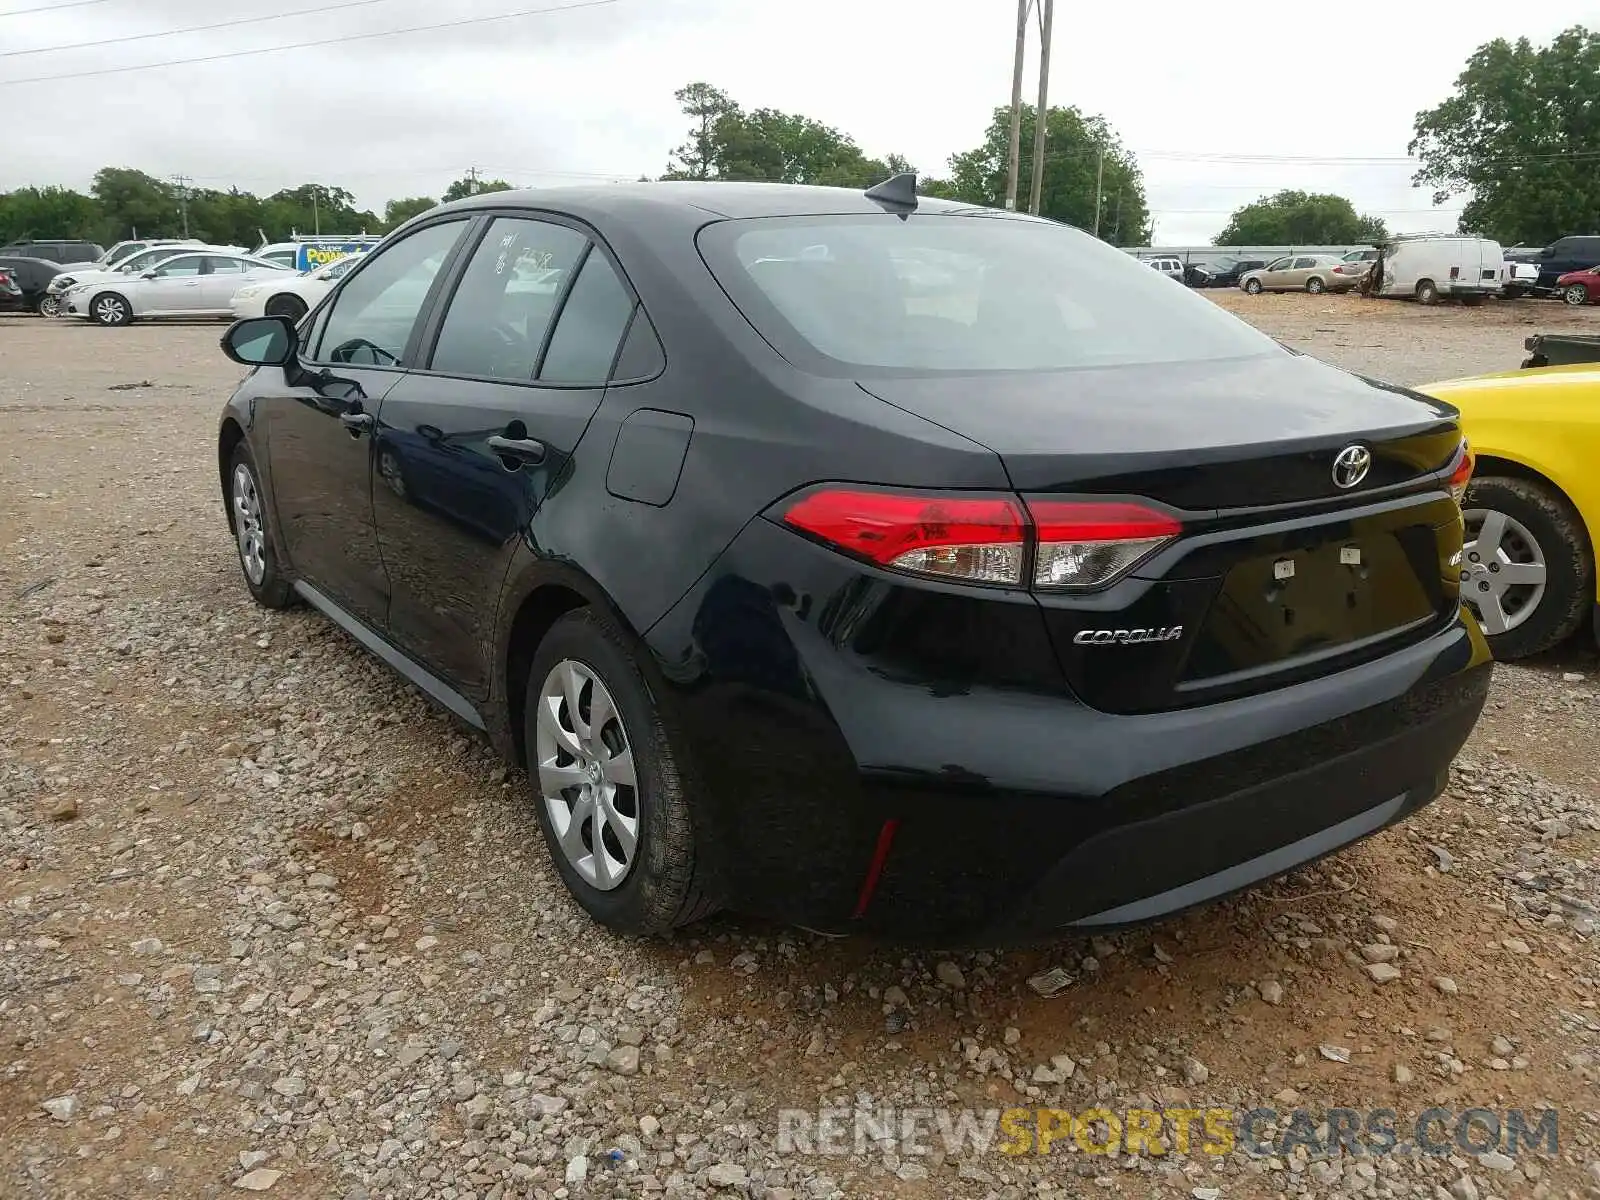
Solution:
(137, 280)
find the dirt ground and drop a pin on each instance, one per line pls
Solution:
(270, 922)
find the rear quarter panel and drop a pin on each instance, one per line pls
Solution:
(1547, 420)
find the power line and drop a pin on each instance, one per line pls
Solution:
(143, 37)
(331, 41)
(48, 8)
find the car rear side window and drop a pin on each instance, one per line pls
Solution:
(1300, 264)
(372, 316)
(948, 293)
(496, 323)
(591, 325)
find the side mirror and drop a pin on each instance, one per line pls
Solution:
(260, 341)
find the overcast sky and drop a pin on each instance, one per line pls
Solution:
(586, 94)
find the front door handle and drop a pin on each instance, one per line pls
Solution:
(355, 422)
(520, 450)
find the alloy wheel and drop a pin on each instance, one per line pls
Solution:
(1576, 295)
(50, 306)
(247, 523)
(109, 310)
(1503, 570)
(586, 775)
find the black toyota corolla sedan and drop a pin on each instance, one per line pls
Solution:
(867, 561)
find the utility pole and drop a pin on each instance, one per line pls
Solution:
(472, 181)
(182, 182)
(1041, 114)
(1116, 228)
(1016, 103)
(316, 213)
(1099, 181)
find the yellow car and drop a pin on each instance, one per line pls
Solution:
(1533, 507)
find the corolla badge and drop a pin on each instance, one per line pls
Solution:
(1127, 637)
(1350, 466)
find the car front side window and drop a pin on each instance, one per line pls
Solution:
(1281, 264)
(374, 313)
(173, 268)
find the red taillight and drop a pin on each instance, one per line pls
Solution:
(980, 539)
(1462, 475)
(1078, 543)
(1089, 543)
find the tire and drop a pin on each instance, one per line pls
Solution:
(258, 560)
(1513, 292)
(291, 307)
(1472, 301)
(662, 883)
(110, 309)
(1253, 286)
(1427, 292)
(1558, 537)
(49, 306)
(1315, 286)
(1575, 294)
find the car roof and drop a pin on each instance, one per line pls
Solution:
(714, 197)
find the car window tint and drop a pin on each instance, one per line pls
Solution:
(1301, 264)
(373, 314)
(592, 322)
(1281, 264)
(498, 316)
(227, 266)
(957, 294)
(189, 264)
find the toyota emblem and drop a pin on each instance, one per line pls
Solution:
(1350, 466)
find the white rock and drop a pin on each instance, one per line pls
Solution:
(62, 1108)
(578, 1169)
(950, 975)
(1272, 991)
(259, 1180)
(1383, 972)
(727, 1175)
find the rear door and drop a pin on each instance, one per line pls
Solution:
(470, 443)
(320, 417)
(174, 289)
(224, 274)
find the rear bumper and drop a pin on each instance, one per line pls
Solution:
(1015, 812)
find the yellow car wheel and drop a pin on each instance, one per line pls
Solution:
(1527, 568)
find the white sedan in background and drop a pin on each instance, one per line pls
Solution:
(185, 285)
(290, 296)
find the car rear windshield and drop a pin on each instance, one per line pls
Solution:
(945, 293)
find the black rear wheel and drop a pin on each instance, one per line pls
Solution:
(291, 307)
(609, 782)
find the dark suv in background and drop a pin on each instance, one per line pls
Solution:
(70, 251)
(1576, 253)
(868, 561)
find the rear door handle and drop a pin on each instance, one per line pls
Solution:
(355, 422)
(523, 450)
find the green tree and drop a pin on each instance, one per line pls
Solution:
(1074, 147)
(1521, 136)
(49, 212)
(136, 204)
(230, 218)
(707, 107)
(468, 186)
(398, 212)
(765, 144)
(312, 208)
(1299, 218)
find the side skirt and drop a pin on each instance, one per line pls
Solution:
(430, 684)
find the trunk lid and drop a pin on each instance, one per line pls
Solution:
(1281, 574)
(1216, 435)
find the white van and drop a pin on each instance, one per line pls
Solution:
(1431, 267)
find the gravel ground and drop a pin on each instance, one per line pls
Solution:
(270, 922)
